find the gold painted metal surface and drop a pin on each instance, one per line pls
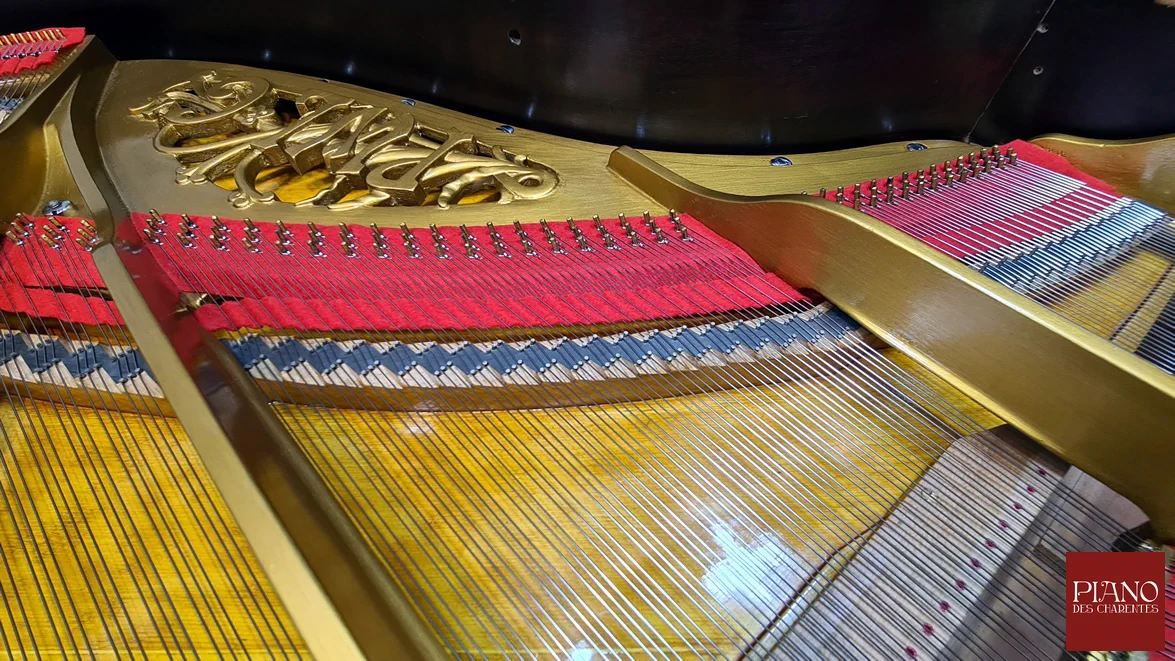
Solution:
(1063, 386)
(145, 177)
(362, 155)
(1144, 169)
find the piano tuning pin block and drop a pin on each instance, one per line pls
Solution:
(284, 236)
(438, 241)
(409, 240)
(605, 236)
(552, 239)
(679, 226)
(498, 241)
(471, 250)
(528, 248)
(658, 235)
(629, 230)
(580, 239)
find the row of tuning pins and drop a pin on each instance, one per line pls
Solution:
(25, 44)
(909, 185)
(220, 240)
(53, 232)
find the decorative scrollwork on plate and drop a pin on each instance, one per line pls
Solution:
(243, 133)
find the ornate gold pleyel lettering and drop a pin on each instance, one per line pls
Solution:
(322, 148)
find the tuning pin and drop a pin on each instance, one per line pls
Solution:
(14, 237)
(284, 236)
(629, 231)
(679, 226)
(1000, 160)
(498, 241)
(905, 185)
(963, 174)
(658, 235)
(345, 232)
(467, 239)
(823, 193)
(50, 241)
(580, 239)
(87, 241)
(156, 218)
(379, 242)
(857, 196)
(948, 176)
(438, 242)
(252, 243)
(409, 242)
(889, 197)
(528, 248)
(349, 250)
(974, 167)
(934, 178)
(219, 226)
(1011, 156)
(552, 239)
(23, 224)
(217, 241)
(605, 235)
(986, 162)
(840, 194)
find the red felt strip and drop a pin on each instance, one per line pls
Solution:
(706, 275)
(573, 287)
